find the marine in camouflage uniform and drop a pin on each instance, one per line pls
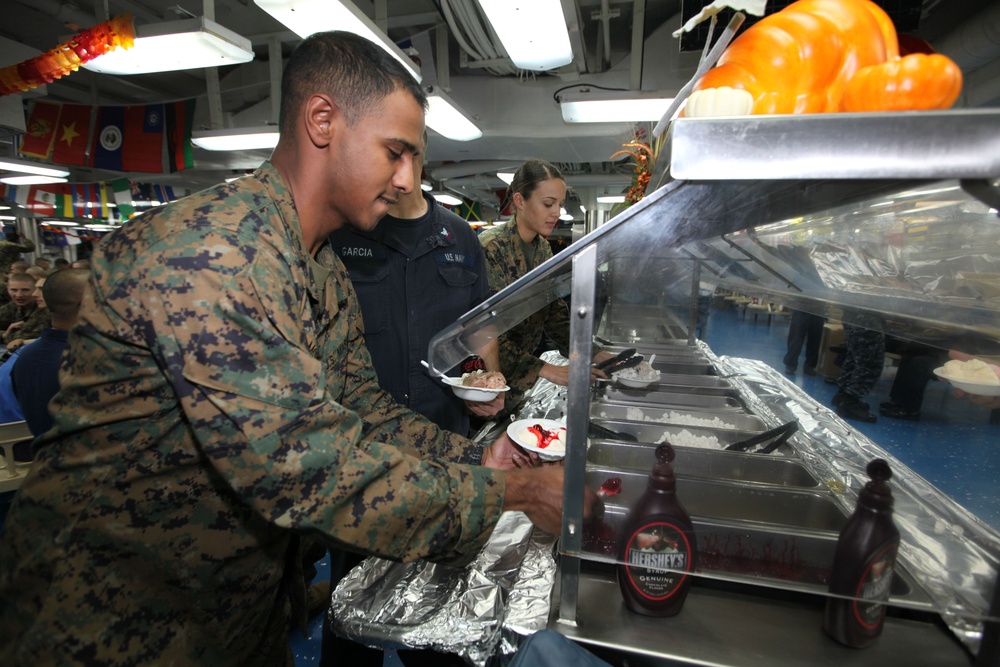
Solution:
(34, 324)
(10, 252)
(210, 414)
(11, 312)
(505, 263)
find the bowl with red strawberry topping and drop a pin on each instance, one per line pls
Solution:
(545, 437)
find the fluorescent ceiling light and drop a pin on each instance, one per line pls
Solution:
(445, 118)
(24, 167)
(176, 45)
(60, 223)
(447, 199)
(565, 215)
(101, 228)
(611, 199)
(236, 139)
(425, 186)
(8, 217)
(31, 180)
(304, 17)
(506, 176)
(626, 107)
(533, 32)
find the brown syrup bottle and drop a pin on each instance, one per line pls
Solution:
(658, 534)
(863, 564)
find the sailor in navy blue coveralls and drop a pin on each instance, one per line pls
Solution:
(413, 278)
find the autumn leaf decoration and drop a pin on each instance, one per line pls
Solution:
(644, 157)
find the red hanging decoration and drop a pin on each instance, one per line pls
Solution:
(66, 58)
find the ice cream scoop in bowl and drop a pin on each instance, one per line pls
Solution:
(639, 376)
(973, 376)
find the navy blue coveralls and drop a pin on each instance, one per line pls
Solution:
(414, 278)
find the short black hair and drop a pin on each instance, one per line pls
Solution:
(352, 70)
(63, 291)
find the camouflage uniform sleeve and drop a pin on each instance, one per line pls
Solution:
(39, 320)
(7, 314)
(384, 419)
(264, 411)
(517, 363)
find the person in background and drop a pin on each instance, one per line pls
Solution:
(864, 360)
(804, 328)
(419, 270)
(44, 264)
(81, 264)
(538, 192)
(415, 273)
(36, 272)
(916, 368)
(35, 376)
(32, 327)
(60, 264)
(14, 315)
(20, 266)
(11, 249)
(217, 405)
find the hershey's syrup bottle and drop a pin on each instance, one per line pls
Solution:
(863, 564)
(658, 534)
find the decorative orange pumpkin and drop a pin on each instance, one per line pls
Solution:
(819, 56)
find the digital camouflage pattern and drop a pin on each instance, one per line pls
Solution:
(10, 252)
(505, 263)
(11, 312)
(38, 321)
(217, 403)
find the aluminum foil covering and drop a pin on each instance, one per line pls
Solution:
(386, 604)
(954, 556)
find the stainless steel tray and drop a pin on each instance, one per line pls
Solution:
(763, 504)
(660, 399)
(652, 432)
(661, 415)
(704, 463)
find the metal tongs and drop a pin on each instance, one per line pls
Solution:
(624, 359)
(779, 435)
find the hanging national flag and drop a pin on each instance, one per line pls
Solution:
(45, 200)
(41, 129)
(103, 197)
(123, 197)
(73, 135)
(64, 205)
(180, 119)
(129, 139)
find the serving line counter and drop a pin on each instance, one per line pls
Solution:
(885, 218)
(766, 525)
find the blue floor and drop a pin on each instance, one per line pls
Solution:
(953, 446)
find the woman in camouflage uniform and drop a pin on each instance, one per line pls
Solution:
(538, 192)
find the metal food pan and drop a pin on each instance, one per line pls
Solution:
(704, 463)
(666, 351)
(653, 432)
(756, 504)
(682, 367)
(643, 397)
(661, 415)
(795, 559)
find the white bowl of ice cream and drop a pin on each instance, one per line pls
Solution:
(478, 386)
(545, 437)
(639, 376)
(972, 377)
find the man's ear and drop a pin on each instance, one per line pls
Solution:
(320, 113)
